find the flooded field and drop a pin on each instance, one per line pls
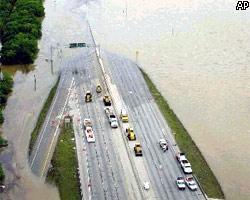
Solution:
(61, 26)
(198, 54)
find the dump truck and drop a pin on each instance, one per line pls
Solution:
(130, 133)
(106, 100)
(111, 117)
(88, 96)
(138, 149)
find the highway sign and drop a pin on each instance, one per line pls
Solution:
(76, 45)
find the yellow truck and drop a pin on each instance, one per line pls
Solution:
(130, 134)
(138, 149)
(98, 88)
(106, 100)
(124, 115)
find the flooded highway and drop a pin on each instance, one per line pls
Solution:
(197, 53)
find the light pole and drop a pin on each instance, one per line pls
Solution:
(34, 82)
(51, 57)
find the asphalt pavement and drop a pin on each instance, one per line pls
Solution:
(149, 127)
(108, 168)
(45, 144)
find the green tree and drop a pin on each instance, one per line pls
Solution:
(2, 175)
(1, 117)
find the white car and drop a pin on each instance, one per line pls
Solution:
(113, 123)
(181, 156)
(146, 185)
(186, 166)
(89, 134)
(190, 182)
(163, 144)
(180, 182)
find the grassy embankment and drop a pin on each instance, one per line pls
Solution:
(20, 29)
(42, 116)
(200, 167)
(5, 89)
(64, 170)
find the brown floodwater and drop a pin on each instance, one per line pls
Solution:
(198, 54)
(63, 24)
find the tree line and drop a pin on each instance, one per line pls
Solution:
(20, 28)
(6, 83)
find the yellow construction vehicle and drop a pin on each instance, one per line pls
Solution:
(98, 88)
(124, 115)
(88, 96)
(130, 133)
(138, 149)
(106, 100)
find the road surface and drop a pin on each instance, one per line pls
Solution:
(108, 168)
(149, 126)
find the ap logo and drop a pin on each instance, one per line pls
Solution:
(242, 5)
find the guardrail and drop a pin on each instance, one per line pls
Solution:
(202, 191)
(107, 83)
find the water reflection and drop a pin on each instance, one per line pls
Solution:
(63, 24)
(21, 68)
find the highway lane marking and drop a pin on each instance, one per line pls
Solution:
(55, 133)
(45, 127)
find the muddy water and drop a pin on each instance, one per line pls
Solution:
(64, 23)
(198, 54)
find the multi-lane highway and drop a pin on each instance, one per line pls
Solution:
(108, 168)
(149, 126)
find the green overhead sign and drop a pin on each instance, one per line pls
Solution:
(76, 45)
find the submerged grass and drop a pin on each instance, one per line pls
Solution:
(64, 166)
(42, 116)
(200, 167)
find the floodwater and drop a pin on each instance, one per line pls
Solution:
(198, 54)
(61, 26)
